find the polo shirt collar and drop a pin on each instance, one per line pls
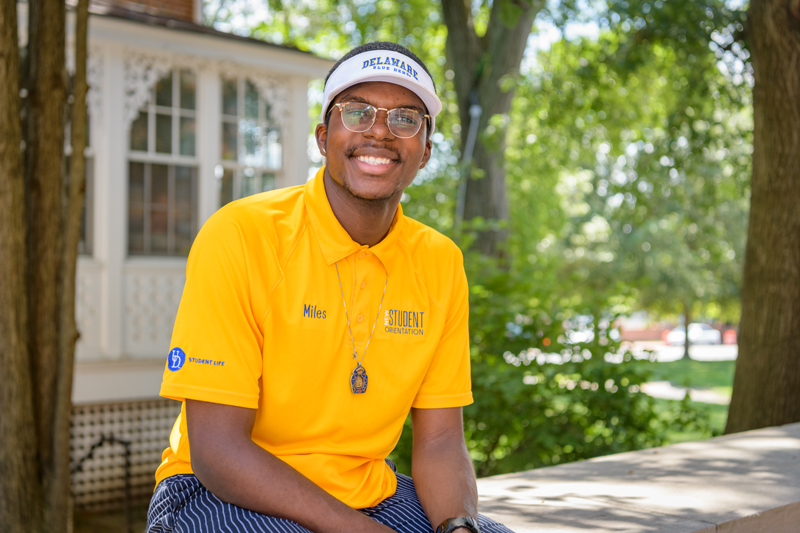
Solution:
(334, 241)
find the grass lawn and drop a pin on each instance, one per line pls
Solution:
(714, 375)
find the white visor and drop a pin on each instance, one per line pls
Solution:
(383, 65)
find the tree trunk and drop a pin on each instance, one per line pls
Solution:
(481, 65)
(45, 186)
(766, 387)
(68, 332)
(687, 319)
(20, 498)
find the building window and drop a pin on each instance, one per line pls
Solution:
(85, 241)
(162, 169)
(251, 153)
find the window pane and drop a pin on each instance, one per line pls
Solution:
(250, 100)
(85, 239)
(163, 134)
(139, 132)
(187, 145)
(135, 229)
(136, 183)
(185, 184)
(226, 188)
(136, 207)
(88, 130)
(159, 230)
(159, 209)
(267, 182)
(184, 188)
(159, 185)
(229, 99)
(188, 86)
(253, 182)
(273, 148)
(247, 183)
(229, 144)
(251, 141)
(164, 91)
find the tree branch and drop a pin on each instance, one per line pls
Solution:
(463, 50)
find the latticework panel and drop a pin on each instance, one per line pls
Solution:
(99, 485)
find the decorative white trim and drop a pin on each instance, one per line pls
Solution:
(94, 77)
(142, 71)
(274, 91)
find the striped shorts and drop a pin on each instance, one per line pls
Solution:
(182, 505)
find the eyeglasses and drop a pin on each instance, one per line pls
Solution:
(359, 117)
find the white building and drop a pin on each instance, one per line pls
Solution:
(183, 119)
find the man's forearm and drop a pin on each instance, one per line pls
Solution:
(240, 472)
(444, 479)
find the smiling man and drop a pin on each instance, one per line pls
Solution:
(313, 321)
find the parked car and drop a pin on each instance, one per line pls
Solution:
(698, 334)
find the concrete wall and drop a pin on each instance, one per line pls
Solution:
(743, 483)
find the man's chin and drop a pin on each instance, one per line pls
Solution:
(368, 195)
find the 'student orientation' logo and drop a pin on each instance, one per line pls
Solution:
(175, 359)
(402, 322)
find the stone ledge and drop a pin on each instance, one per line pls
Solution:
(747, 482)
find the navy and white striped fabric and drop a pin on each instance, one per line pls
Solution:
(181, 504)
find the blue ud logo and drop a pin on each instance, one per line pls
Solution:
(176, 359)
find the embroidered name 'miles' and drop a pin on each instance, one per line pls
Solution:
(311, 311)
(393, 64)
(404, 322)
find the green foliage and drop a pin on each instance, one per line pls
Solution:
(647, 136)
(542, 399)
(628, 159)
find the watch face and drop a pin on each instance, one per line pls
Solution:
(451, 524)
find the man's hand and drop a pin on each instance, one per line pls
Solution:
(238, 471)
(441, 466)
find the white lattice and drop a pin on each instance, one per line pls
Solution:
(100, 483)
(87, 306)
(151, 304)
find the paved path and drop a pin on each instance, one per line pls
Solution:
(668, 391)
(701, 352)
(665, 354)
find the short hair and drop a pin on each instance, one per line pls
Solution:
(372, 47)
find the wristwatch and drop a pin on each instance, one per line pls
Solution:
(451, 524)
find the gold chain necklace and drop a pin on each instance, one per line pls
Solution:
(358, 379)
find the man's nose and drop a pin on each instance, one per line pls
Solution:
(380, 129)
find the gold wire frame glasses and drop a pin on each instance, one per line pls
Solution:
(359, 117)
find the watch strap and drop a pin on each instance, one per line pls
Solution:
(451, 524)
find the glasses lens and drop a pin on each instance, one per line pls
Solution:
(404, 123)
(357, 116)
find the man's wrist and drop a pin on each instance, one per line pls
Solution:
(458, 524)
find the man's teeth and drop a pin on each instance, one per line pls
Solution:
(374, 160)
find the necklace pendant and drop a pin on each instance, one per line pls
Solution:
(358, 380)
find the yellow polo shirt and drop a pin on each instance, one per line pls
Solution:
(262, 325)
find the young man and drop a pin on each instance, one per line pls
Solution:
(313, 320)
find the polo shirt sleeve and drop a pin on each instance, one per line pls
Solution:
(216, 342)
(447, 382)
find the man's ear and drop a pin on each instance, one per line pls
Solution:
(427, 154)
(321, 135)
